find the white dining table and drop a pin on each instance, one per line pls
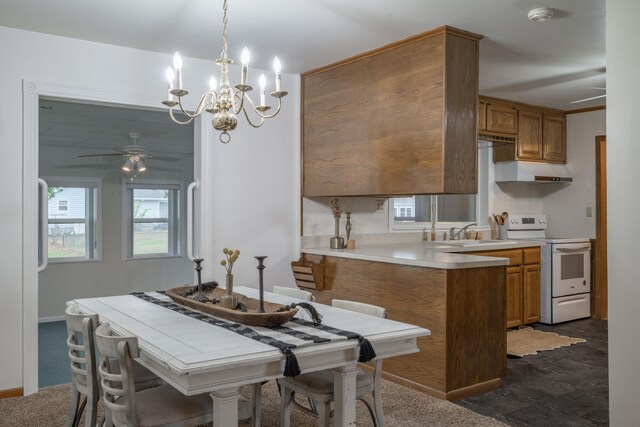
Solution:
(196, 357)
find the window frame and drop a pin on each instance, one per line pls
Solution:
(92, 220)
(173, 220)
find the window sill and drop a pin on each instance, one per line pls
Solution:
(54, 261)
(151, 256)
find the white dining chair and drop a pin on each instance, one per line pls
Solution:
(158, 406)
(85, 391)
(294, 293)
(318, 386)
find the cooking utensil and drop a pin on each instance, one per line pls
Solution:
(504, 217)
(497, 219)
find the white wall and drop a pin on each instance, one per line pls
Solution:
(261, 159)
(111, 276)
(566, 205)
(623, 199)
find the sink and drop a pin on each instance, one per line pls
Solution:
(475, 243)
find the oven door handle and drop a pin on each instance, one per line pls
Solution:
(576, 247)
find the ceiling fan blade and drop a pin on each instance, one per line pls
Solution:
(87, 166)
(587, 99)
(100, 155)
(164, 159)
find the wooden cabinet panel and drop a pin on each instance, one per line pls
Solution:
(553, 139)
(514, 296)
(531, 255)
(522, 284)
(529, 145)
(531, 293)
(502, 119)
(394, 121)
(482, 116)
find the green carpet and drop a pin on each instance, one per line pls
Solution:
(53, 360)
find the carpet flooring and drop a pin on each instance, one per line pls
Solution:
(53, 361)
(403, 407)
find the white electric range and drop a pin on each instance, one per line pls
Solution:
(565, 272)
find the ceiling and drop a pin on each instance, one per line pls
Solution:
(89, 127)
(547, 63)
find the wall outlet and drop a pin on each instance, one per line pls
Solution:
(589, 212)
(380, 205)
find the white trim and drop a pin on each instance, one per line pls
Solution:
(31, 91)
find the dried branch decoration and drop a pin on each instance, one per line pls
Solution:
(335, 208)
(232, 256)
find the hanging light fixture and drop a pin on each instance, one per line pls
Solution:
(226, 102)
(128, 165)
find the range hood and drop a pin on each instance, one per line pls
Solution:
(531, 172)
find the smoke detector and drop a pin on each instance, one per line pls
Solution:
(540, 14)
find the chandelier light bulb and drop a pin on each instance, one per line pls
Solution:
(213, 84)
(141, 166)
(245, 57)
(262, 82)
(177, 61)
(170, 75)
(277, 66)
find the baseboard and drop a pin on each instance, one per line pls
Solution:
(451, 395)
(12, 392)
(50, 319)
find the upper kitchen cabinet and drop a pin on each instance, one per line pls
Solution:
(501, 119)
(539, 137)
(397, 120)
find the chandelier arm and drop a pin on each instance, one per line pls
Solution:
(186, 122)
(262, 115)
(239, 107)
(244, 110)
(199, 108)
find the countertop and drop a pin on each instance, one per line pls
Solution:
(427, 254)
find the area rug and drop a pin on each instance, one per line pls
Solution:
(402, 407)
(526, 341)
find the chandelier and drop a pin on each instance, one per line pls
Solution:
(226, 102)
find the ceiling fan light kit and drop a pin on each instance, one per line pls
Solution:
(540, 14)
(226, 102)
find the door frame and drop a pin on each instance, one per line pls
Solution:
(32, 90)
(600, 287)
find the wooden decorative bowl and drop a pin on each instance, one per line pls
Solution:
(251, 317)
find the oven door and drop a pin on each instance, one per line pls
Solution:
(571, 269)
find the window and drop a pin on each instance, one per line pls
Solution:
(443, 208)
(72, 233)
(152, 219)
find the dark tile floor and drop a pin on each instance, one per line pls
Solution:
(564, 387)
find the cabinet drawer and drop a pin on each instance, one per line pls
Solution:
(514, 255)
(531, 255)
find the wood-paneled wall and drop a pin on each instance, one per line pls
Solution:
(464, 310)
(394, 121)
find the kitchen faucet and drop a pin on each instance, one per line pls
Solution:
(453, 235)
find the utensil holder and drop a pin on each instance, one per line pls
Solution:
(502, 232)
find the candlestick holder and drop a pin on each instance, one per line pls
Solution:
(260, 268)
(199, 296)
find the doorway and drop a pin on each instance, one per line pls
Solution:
(599, 281)
(33, 91)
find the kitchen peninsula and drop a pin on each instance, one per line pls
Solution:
(461, 298)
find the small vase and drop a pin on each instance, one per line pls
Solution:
(229, 300)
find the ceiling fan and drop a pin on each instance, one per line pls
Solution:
(592, 97)
(134, 155)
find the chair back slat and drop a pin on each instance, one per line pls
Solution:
(294, 293)
(82, 357)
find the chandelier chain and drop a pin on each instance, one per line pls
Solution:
(225, 33)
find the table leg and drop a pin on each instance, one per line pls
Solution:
(225, 407)
(345, 395)
(256, 404)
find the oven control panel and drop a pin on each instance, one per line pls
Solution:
(527, 222)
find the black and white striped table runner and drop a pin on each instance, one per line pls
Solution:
(293, 334)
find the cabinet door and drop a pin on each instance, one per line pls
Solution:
(529, 135)
(553, 139)
(531, 291)
(514, 296)
(502, 119)
(482, 116)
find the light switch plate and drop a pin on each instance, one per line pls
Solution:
(589, 212)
